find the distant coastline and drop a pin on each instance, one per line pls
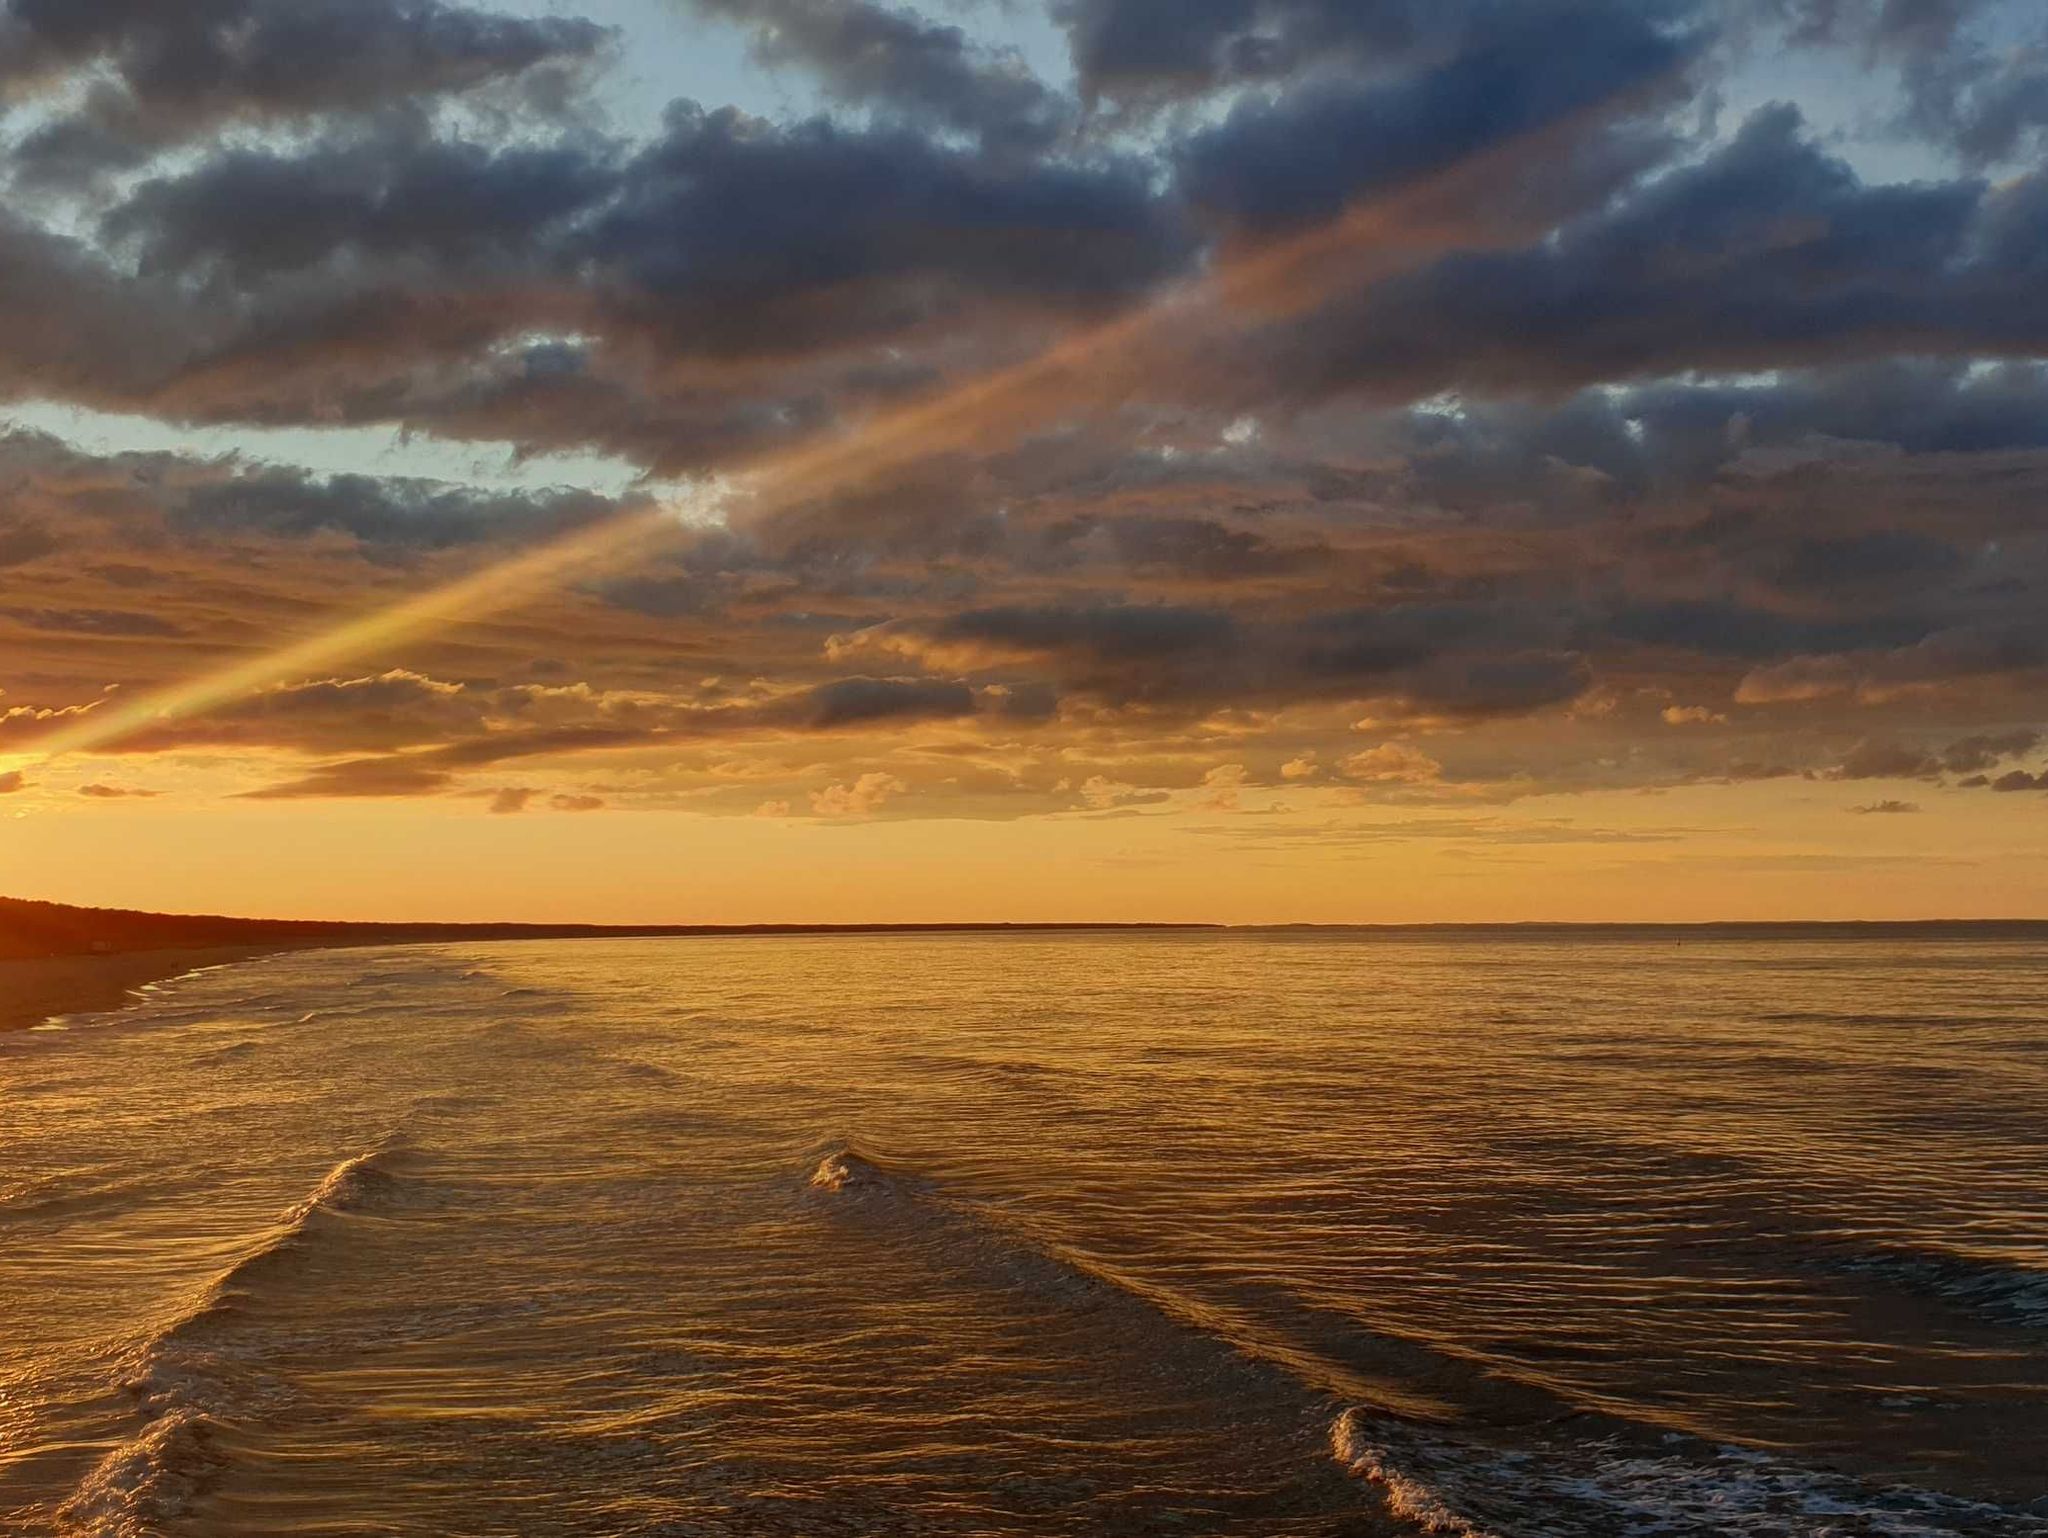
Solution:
(58, 959)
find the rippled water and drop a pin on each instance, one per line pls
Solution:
(1259, 1234)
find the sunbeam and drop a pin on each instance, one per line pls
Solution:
(1364, 245)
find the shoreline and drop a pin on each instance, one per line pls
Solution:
(34, 989)
(37, 987)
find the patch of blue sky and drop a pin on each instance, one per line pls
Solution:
(667, 53)
(373, 451)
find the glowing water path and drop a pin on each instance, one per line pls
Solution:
(1367, 243)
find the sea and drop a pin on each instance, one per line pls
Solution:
(1608, 1234)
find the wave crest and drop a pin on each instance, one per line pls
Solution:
(2005, 1290)
(145, 1483)
(186, 1382)
(844, 1172)
(1440, 1484)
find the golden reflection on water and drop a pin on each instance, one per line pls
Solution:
(1021, 1234)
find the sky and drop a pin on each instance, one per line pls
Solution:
(832, 461)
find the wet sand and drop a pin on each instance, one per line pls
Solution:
(32, 989)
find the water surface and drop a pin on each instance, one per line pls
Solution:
(1207, 1234)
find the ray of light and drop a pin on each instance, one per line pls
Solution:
(1091, 366)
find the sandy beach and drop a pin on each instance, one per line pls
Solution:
(32, 989)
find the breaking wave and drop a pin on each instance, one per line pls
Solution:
(1610, 1488)
(1608, 1478)
(843, 1172)
(190, 1379)
(2007, 1291)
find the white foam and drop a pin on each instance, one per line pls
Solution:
(1602, 1489)
(847, 1171)
(144, 1483)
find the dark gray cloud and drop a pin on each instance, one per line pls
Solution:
(165, 71)
(72, 329)
(750, 236)
(717, 290)
(1717, 627)
(1302, 157)
(1729, 451)
(249, 215)
(1115, 634)
(1151, 50)
(1973, 755)
(1448, 660)
(1768, 253)
(1879, 759)
(897, 62)
(378, 511)
(857, 701)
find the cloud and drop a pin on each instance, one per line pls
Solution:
(102, 792)
(1967, 84)
(1101, 793)
(1767, 253)
(1879, 759)
(390, 710)
(876, 55)
(1974, 754)
(1141, 51)
(22, 542)
(1302, 157)
(1393, 763)
(862, 798)
(1658, 420)
(1222, 786)
(362, 778)
(1691, 715)
(2020, 779)
(92, 622)
(166, 72)
(857, 701)
(755, 237)
(1886, 808)
(253, 214)
(13, 782)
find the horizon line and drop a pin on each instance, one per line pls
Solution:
(568, 929)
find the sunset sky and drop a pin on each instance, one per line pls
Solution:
(821, 460)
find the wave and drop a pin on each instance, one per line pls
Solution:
(2008, 1291)
(146, 1482)
(843, 1172)
(1556, 1470)
(1676, 1486)
(188, 1381)
(979, 1240)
